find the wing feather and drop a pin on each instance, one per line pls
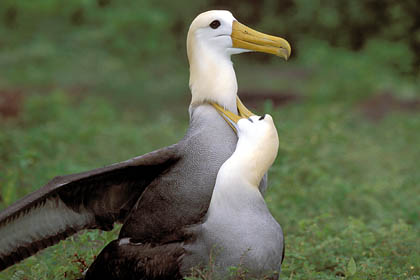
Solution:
(68, 204)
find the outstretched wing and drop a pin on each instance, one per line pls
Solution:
(67, 204)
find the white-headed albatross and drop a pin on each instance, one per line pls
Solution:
(161, 191)
(237, 231)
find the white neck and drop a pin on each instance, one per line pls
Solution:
(212, 77)
(239, 175)
(233, 192)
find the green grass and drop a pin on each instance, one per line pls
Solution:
(341, 187)
(345, 190)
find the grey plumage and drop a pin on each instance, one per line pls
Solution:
(237, 231)
(178, 197)
(250, 239)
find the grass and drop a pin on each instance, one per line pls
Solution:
(345, 190)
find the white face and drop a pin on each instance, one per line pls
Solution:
(258, 135)
(212, 31)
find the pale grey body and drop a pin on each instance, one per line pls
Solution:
(251, 238)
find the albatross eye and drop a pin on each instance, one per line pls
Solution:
(215, 24)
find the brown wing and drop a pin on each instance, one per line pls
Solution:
(138, 261)
(67, 204)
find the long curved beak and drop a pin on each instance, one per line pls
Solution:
(231, 118)
(244, 37)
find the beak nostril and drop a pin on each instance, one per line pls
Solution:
(262, 117)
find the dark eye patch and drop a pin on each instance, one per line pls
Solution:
(261, 118)
(215, 24)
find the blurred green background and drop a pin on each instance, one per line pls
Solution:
(86, 83)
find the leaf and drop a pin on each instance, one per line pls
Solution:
(351, 267)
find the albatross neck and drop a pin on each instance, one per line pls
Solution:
(236, 188)
(212, 78)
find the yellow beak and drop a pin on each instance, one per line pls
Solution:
(244, 37)
(231, 118)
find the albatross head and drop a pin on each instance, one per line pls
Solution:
(255, 152)
(257, 146)
(212, 38)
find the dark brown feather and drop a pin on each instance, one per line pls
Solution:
(107, 194)
(137, 261)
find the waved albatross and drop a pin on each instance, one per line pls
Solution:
(238, 229)
(156, 193)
